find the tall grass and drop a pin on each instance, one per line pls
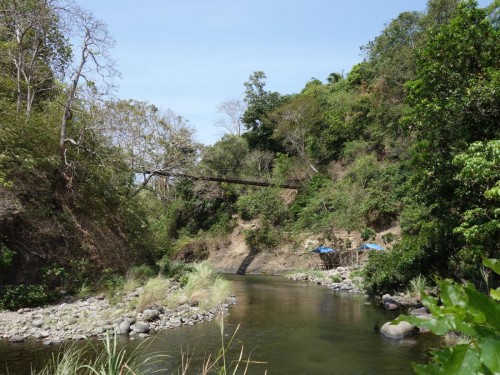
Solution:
(155, 292)
(203, 287)
(107, 359)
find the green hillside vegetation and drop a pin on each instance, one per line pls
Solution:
(409, 137)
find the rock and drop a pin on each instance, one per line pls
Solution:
(72, 321)
(17, 338)
(37, 323)
(124, 328)
(397, 331)
(391, 306)
(79, 337)
(150, 315)
(419, 311)
(140, 327)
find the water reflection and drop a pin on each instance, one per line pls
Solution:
(296, 328)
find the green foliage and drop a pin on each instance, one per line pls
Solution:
(264, 238)
(368, 234)
(172, 269)
(225, 157)
(471, 313)
(6, 255)
(14, 297)
(480, 176)
(266, 203)
(388, 238)
(390, 271)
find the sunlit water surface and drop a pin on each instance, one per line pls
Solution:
(294, 327)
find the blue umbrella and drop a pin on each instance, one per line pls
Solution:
(370, 246)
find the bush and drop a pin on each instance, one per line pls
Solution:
(266, 203)
(16, 297)
(390, 271)
(368, 234)
(172, 269)
(263, 238)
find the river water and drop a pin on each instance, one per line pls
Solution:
(295, 327)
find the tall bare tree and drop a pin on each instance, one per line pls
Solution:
(34, 48)
(233, 110)
(92, 65)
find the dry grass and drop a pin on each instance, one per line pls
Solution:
(204, 287)
(154, 293)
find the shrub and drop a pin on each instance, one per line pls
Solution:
(265, 203)
(390, 271)
(6, 255)
(388, 238)
(368, 234)
(263, 238)
(173, 269)
(141, 272)
(16, 297)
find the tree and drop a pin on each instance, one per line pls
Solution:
(93, 65)
(453, 103)
(479, 176)
(34, 48)
(294, 122)
(233, 110)
(260, 103)
(225, 157)
(152, 139)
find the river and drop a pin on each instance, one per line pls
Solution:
(295, 327)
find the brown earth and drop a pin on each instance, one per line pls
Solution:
(235, 256)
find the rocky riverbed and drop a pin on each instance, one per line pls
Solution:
(83, 318)
(339, 278)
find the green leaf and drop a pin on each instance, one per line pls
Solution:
(489, 349)
(452, 294)
(484, 309)
(494, 264)
(495, 294)
(463, 361)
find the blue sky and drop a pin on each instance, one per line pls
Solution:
(190, 55)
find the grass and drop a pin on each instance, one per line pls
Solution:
(418, 285)
(154, 293)
(203, 287)
(108, 359)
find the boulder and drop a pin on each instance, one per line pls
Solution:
(397, 331)
(150, 314)
(140, 327)
(123, 328)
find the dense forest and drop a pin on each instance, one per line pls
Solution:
(91, 185)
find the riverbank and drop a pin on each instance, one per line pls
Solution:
(79, 319)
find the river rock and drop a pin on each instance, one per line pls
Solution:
(150, 315)
(17, 338)
(124, 328)
(397, 331)
(140, 327)
(37, 323)
(419, 311)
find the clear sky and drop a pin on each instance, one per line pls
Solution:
(190, 55)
